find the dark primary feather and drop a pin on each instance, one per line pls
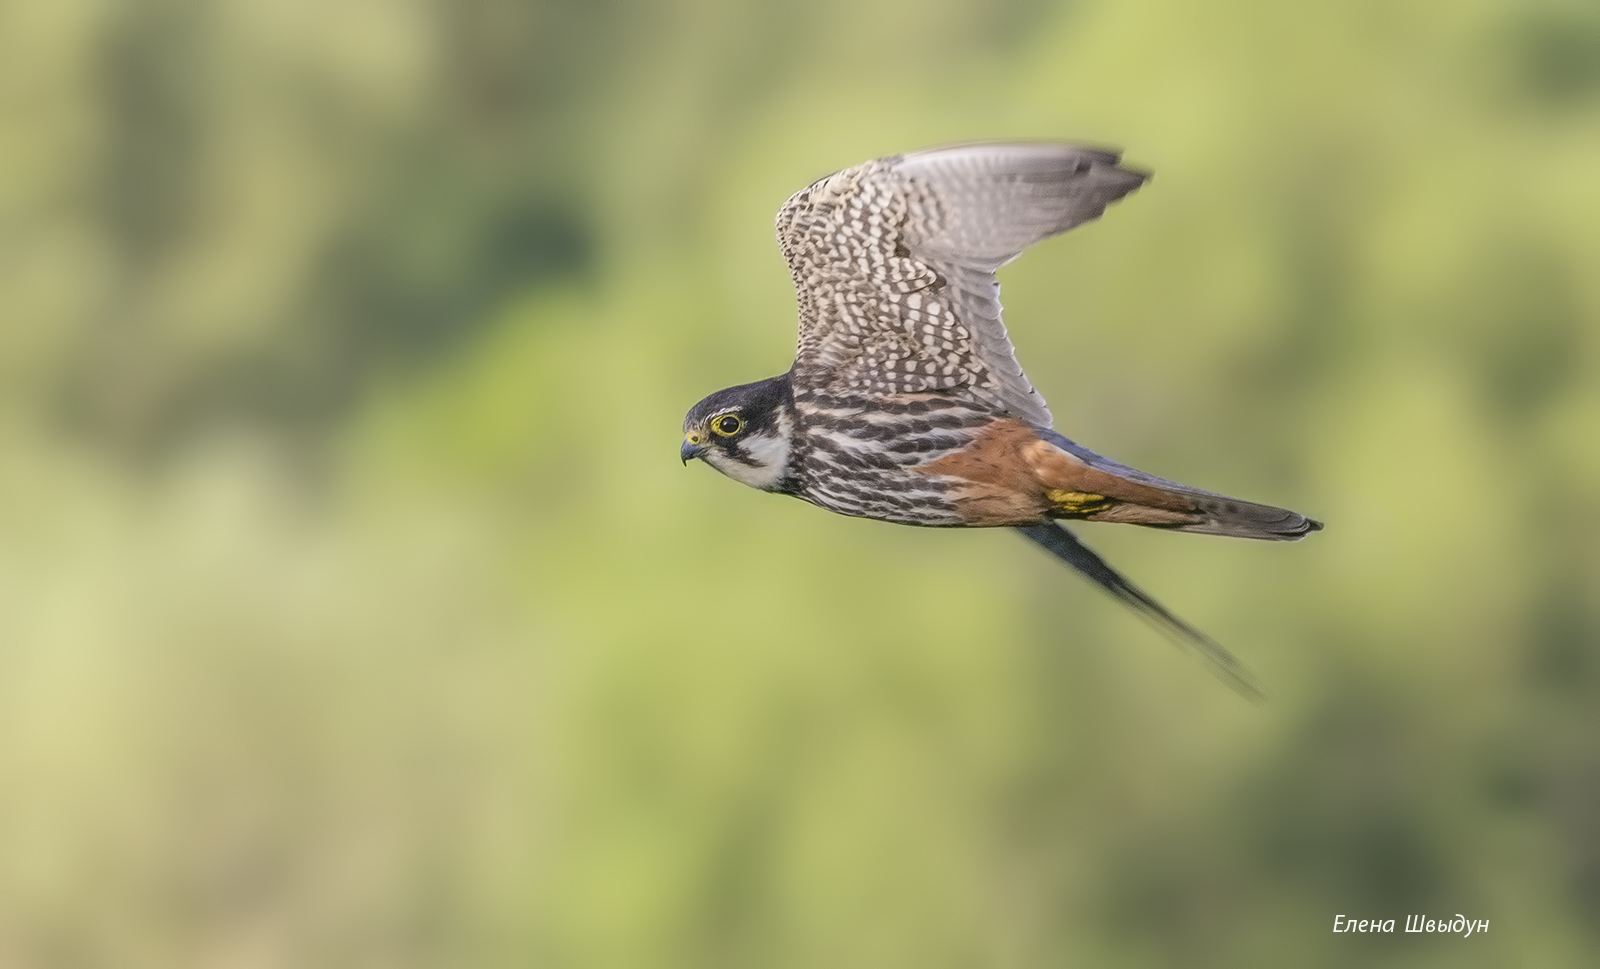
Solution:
(1065, 546)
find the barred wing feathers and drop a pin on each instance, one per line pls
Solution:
(894, 260)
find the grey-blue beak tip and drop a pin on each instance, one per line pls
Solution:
(690, 451)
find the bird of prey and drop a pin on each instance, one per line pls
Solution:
(905, 402)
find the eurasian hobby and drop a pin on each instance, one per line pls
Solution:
(905, 402)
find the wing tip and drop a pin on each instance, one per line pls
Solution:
(1288, 527)
(1107, 156)
(1298, 526)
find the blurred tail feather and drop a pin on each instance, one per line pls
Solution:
(1064, 545)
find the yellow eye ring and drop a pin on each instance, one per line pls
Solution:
(727, 425)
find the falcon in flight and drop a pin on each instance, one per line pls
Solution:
(906, 403)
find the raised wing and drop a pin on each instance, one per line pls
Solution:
(893, 263)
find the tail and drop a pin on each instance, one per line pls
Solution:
(1144, 499)
(1065, 546)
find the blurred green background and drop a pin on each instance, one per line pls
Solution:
(355, 610)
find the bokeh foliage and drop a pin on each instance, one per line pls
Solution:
(355, 612)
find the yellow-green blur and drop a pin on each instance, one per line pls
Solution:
(356, 610)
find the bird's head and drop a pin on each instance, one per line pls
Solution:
(744, 432)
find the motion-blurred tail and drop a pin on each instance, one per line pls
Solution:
(1065, 546)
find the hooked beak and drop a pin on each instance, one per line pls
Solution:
(691, 451)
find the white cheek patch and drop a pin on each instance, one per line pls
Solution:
(770, 452)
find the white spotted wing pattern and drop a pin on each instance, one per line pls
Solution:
(893, 264)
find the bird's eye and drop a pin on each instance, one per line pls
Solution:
(727, 425)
